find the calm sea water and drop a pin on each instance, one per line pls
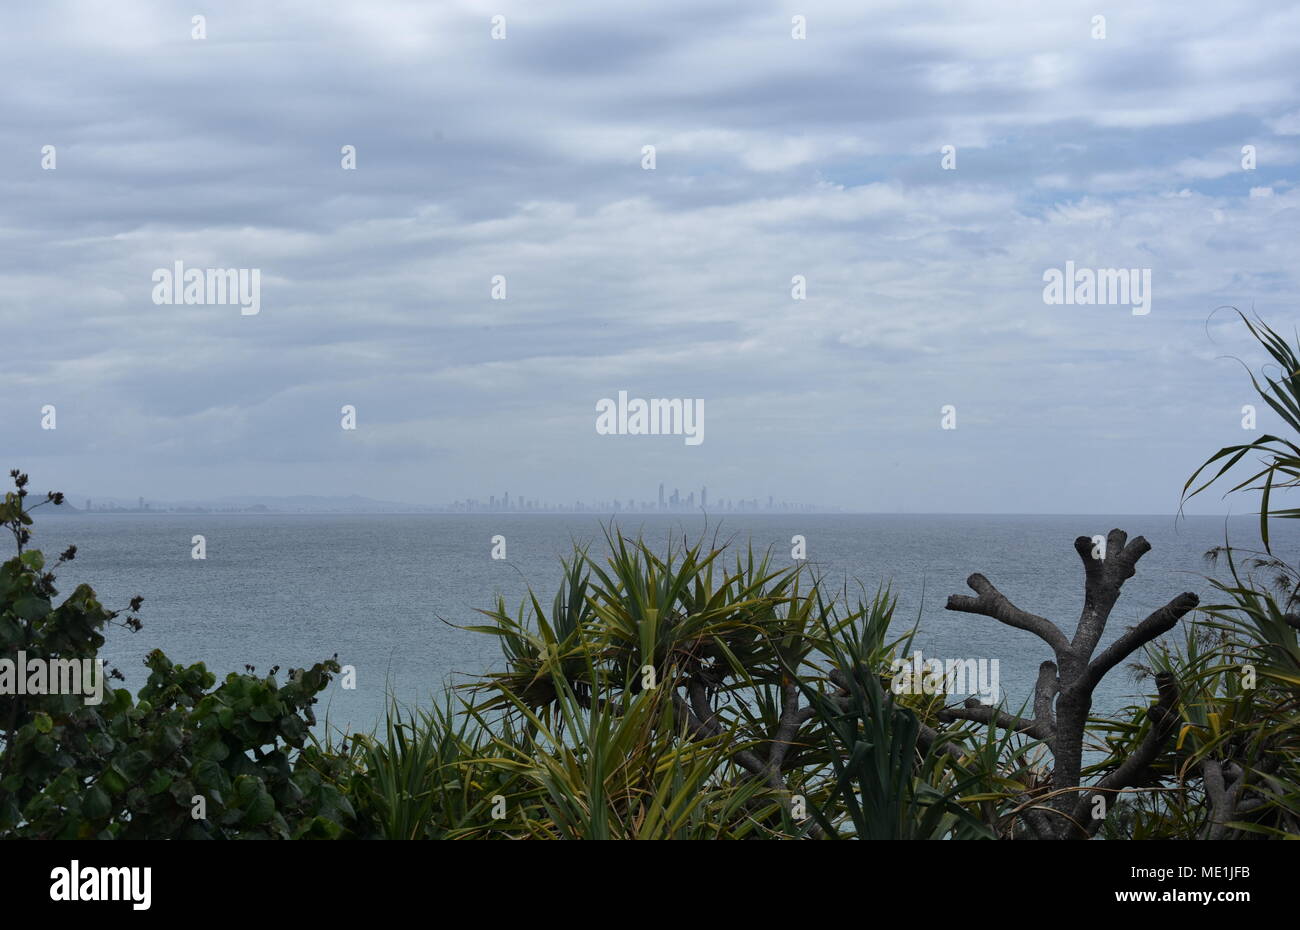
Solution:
(290, 590)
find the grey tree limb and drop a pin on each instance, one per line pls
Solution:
(976, 712)
(993, 603)
(1133, 639)
(1134, 770)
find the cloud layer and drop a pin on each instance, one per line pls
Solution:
(522, 157)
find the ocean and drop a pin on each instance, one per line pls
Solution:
(386, 592)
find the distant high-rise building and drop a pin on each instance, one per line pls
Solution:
(142, 503)
(704, 498)
(505, 501)
(661, 495)
(88, 504)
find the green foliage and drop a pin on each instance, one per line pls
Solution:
(1244, 717)
(888, 784)
(678, 695)
(1281, 465)
(133, 768)
(430, 775)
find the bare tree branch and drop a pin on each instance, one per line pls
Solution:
(993, 603)
(1133, 771)
(976, 712)
(1133, 639)
(788, 726)
(1045, 691)
(1104, 578)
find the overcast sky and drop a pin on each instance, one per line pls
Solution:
(522, 157)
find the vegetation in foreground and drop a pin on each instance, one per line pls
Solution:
(697, 693)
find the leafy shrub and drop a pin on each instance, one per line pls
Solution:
(238, 754)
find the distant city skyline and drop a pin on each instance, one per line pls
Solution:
(666, 503)
(674, 502)
(685, 504)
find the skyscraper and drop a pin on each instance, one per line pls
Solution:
(661, 495)
(704, 498)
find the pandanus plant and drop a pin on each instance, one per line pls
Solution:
(697, 693)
